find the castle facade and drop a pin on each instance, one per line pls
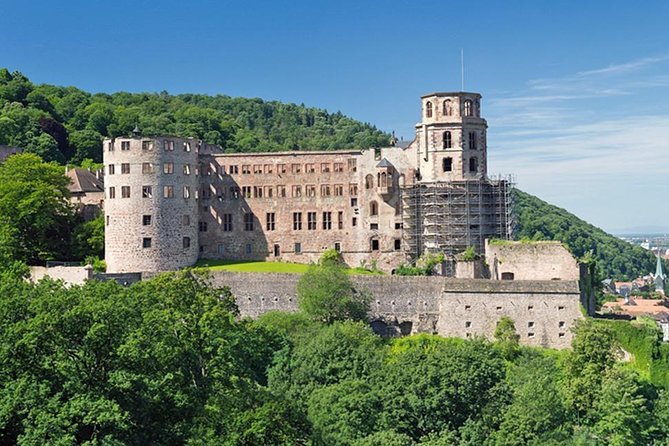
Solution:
(171, 201)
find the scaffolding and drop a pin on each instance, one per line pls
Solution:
(448, 217)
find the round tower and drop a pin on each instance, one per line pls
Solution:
(151, 206)
(451, 137)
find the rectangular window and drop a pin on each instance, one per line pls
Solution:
(375, 244)
(147, 145)
(186, 147)
(354, 202)
(185, 220)
(169, 146)
(281, 191)
(110, 169)
(125, 145)
(233, 170)
(296, 168)
(257, 169)
(447, 164)
(311, 221)
(168, 191)
(327, 220)
(269, 192)
(338, 190)
(249, 248)
(297, 221)
(257, 191)
(310, 168)
(125, 168)
(325, 190)
(472, 140)
(186, 192)
(227, 222)
(248, 222)
(338, 167)
(234, 192)
(561, 324)
(297, 191)
(298, 248)
(337, 246)
(147, 168)
(110, 147)
(310, 190)
(398, 244)
(374, 226)
(352, 167)
(146, 242)
(186, 169)
(270, 221)
(246, 169)
(246, 191)
(221, 248)
(353, 190)
(202, 226)
(125, 191)
(354, 221)
(530, 324)
(268, 169)
(325, 167)
(168, 168)
(340, 219)
(399, 225)
(186, 242)
(146, 220)
(112, 192)
(280, 168)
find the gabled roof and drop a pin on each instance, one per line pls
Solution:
(84, 180)
(384, 163)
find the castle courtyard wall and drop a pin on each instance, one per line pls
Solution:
(448, 307)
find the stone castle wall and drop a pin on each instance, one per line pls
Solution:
(531, 261)
(543, 311)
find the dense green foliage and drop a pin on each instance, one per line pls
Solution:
(66, 124)
(538, 220)
(37, 221)
(167, 361)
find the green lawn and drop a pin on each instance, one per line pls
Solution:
(264, 267)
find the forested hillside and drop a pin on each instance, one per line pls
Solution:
(538, 220)
(66, 124)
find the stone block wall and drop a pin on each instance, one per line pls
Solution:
(71, 275)
(531, 261)
(543, 311)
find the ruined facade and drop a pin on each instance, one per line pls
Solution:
(173, 200)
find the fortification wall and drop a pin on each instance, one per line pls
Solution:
(531, 261)
(543, 311)
(71, 275)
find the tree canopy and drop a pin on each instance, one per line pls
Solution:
(66, 124)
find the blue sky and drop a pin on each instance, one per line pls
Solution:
(575, 92)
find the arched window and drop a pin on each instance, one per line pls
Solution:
(468, 107)
(447, 164)
(369, 181)
(428, 109)
(473, 164)
(373, 209)
(383, 179)
(448, 110)
(447, 140)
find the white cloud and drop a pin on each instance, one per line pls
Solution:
(580, 142)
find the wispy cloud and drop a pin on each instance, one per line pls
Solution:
(579, 141)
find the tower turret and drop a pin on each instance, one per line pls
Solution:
(451, 137)
(151, 210)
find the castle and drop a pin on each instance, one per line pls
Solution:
(170, 201)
